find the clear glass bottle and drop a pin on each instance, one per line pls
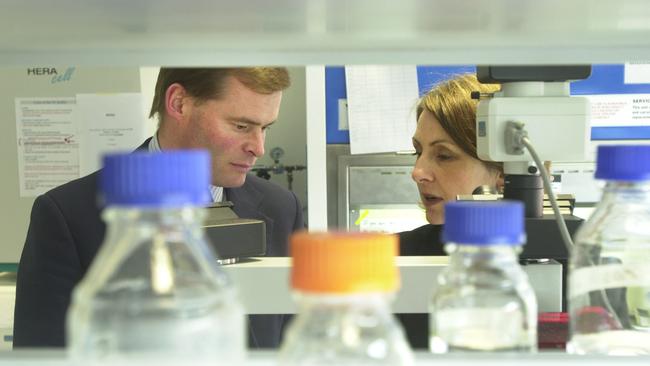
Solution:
(344, 283)
(154, 289)
(483, 301)
(609, 271)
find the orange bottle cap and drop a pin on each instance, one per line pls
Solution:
(344, 262)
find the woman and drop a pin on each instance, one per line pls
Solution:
(446, 163)
(446, 166)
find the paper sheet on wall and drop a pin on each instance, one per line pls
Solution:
(637, 73)
(617, 110)
(381, 107)
(111, 122)
(48, 150)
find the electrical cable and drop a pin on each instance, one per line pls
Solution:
(564, 232)
(566, 237)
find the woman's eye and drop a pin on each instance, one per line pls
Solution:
(444, 157)
(241, 126)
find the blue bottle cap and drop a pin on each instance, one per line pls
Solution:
(484, 222)
(623, 162)
(170, 179)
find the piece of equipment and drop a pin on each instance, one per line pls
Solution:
(534, 100)
(231, 237)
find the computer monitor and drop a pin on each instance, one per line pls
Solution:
(376, 193)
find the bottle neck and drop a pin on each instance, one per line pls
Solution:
(641, 188)
(620, 197)
(336, 303)
(154, 216)
(141, 225)
(493, 255)
(339, 314)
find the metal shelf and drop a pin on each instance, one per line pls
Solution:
(299, 32)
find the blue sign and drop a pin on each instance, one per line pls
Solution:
(604, 79)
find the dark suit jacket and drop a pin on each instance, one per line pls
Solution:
(66, 231)
(424, 240)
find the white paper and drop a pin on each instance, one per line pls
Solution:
(391, 220)
(343, 115)
(48, 150)
(381, 107)
(111, 122)
(637, 73)
(617, 110)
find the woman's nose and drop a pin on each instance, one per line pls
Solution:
(421, 173)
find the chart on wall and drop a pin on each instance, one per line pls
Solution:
(381, 101)
(62, 130)
(620, 101)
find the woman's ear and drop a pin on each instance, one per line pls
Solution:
(500, 181)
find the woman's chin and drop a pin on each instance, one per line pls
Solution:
(435, 218)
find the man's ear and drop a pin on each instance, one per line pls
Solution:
(177, 102)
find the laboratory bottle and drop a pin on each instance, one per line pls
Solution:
(154, 290)
(343, 284)
(483, 301)
(609, 269)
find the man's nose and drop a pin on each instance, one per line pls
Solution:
(256, 144)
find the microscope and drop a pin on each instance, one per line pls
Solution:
(535, 102)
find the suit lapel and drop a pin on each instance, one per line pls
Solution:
(145, 145)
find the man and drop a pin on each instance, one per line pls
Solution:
(226, 111)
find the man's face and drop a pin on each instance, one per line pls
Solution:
(233, 128)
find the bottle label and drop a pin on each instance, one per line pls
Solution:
(585, 280)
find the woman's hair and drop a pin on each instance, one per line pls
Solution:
(451, 104)
(208, 83)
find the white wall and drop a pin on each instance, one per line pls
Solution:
(148, 77)
(15, 210)
(290, 133)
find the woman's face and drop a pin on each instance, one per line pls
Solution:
(443, 170)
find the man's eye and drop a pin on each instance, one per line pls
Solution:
(444, 157)
(241, 126)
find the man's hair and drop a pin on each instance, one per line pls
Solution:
(208, 83)
(451, 104)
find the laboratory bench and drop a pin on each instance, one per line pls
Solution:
(263, 286)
